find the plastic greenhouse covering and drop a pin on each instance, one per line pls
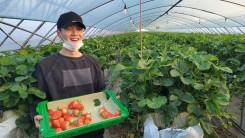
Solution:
(33, 22)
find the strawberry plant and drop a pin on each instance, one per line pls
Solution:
(172, 79)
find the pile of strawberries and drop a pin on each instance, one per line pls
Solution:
(106, 114)
(68, 118)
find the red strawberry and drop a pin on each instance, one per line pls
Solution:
(61, 107)
(110, 115)
(56, 115)
(69, 127)
(61, 119)
(117, 113)
(105, 114)
(76, 113)
(56, 123)
(50, 112)
(71, 104)
(78, 106)
(64, 125)
(81, 119)
(70, 119)
(58, 130)
(88, 117)
(87, 121)
(80, 124)
(102, 109)
(85, 113)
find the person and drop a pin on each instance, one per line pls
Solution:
(69, 72)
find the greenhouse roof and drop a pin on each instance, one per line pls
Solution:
(33, 22)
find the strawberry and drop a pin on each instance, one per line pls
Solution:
(61, 119)
(88, 117)
(50, 112)
(64, 125)
(70, 127)
(110, 115)
(87, 121)
(70, 119)
(71, 104)
(117, 113)
(78, 106)
(81, 119)
(56, 123)
(102, 109)
(61, 107)
(80, 124)
(76, 113)
(58, 130)
(57, 114)
(105, 114)
(85, 113)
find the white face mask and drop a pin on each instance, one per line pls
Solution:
(73, 46)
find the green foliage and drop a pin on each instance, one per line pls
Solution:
(17, 84)
(194, 73)
(173, 75)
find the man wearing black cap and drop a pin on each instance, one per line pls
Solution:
(68, 73)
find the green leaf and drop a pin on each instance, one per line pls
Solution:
(212, 106)
(4, 61)
(177, 92)
(5, 86)
(192, 120)
(167, 82)
(23, 122)
(226, 69)
(173, 97)
(222, 99)
(4, 72)
(142, 103)
(157, 102)
(170, 112)
(187, 97)
(21, 78)
(186, 79)
(4, 95)
(195, 109)
(36, 92)
(11, 101)
(21, 69)
(119, 67)
(97, 102)
(181, 66)
(15, 87)
(204, 65)
(206, 125)
(174, 73)
(23, 94)
(198, 86)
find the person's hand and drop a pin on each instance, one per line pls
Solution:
(118, 96)
(37, 119)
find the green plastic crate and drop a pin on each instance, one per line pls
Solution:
(107, 99)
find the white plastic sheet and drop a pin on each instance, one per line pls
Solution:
(151, 131)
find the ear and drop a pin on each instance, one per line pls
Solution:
(58, 33)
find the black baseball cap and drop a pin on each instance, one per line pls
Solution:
(69, 18)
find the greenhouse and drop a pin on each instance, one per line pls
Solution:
(167, 68)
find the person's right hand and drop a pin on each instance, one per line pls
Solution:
(37, 119)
